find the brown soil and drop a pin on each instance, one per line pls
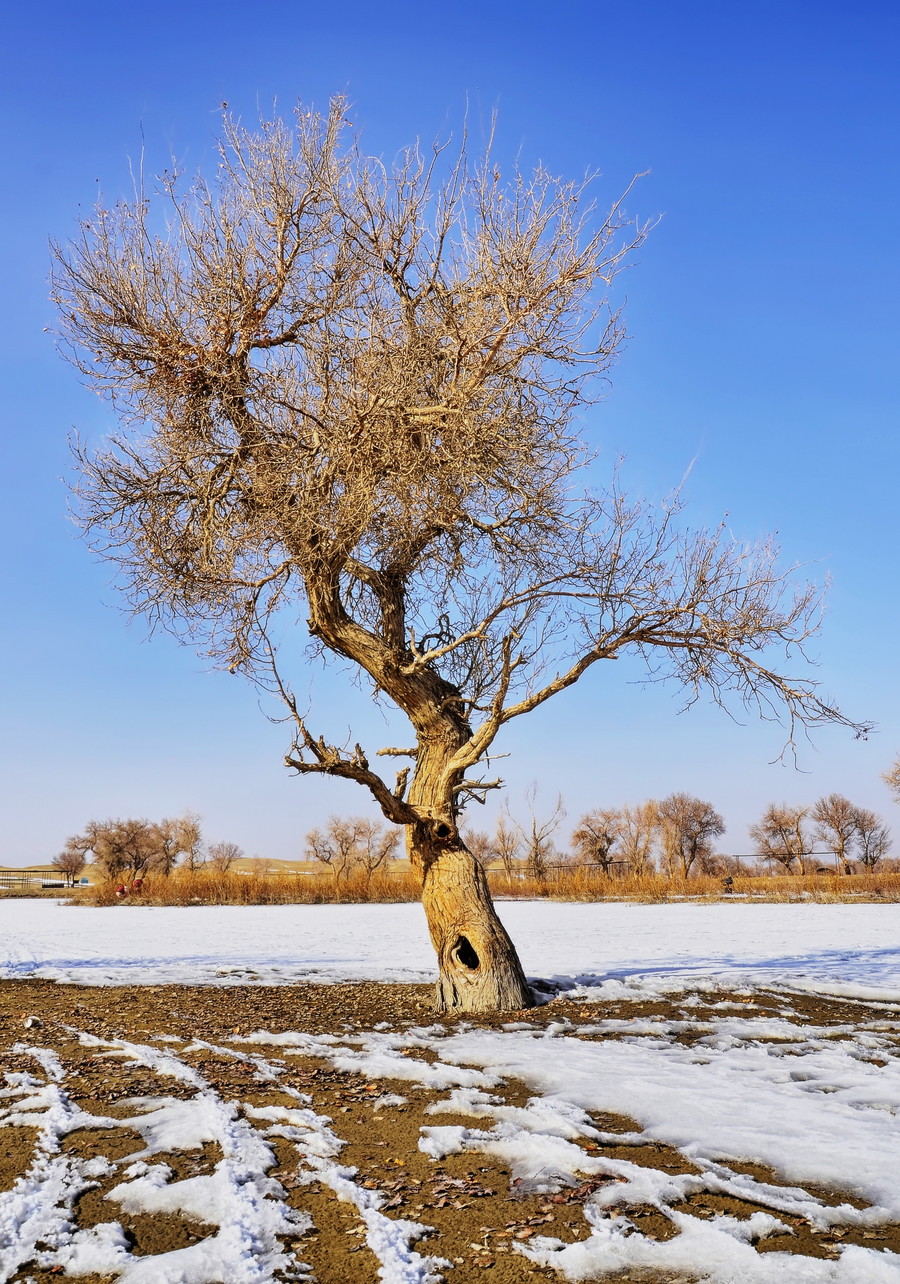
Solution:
(477, 1213)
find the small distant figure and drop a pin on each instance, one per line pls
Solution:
(728, 883)
(121, 891)
(137, 885)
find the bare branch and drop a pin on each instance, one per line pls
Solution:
(310, 756)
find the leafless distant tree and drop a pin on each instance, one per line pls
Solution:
(506, 843)
(781, 836)
(596, 837)
(375, 845)
(537, 837)
(481, 845)
(836, 826)
(135, 848)
(349, 394)
(335, 846)
(891, 778)
(687, 826)
(638, 831)
(179, 839)
(70, 861)
(184, 840)
(355, 843)
(873, 837)
(168, 848)
(714, 863)
(221, 856)
(122, 847)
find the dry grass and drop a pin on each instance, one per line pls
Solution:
(585, 884)
(205, 887)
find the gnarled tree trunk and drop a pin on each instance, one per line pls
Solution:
(478, 967)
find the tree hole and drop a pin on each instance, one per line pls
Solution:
(442, 830)
(464, 952)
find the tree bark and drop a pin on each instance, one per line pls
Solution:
(478, 967)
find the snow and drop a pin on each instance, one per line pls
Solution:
(812, 1114)
(819, 1106)
(244, 1205)
(849, 949)
(238, 1199)
(721, 1083)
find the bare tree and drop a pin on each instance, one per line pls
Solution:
(184, 839)
(687, 826)
(70, 861)
(221, 856)
(638, 830)
(334, 847)
(714, 863)
(348, 394)
(481, 845)
(596, 837)
(122, 847)
(375, 845)
(137, 847)
(506, 842)
(356, 843)
(873, 837)
(781, 836)
(537, 837)
(168, 847)
(836, 825)
(176, 838)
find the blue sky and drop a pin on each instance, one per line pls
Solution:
(764, 334)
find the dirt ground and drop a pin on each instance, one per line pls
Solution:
(477, 1213)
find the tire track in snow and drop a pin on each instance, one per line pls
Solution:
(238, 1197)
(247, 1206)
(389, 1238)
(38, 1208)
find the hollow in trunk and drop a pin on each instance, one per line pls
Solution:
(478, 967)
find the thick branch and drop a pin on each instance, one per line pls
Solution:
(330, 761)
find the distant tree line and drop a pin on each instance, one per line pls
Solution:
(674, 837)
(678, 835)
(787, 836)
(130, 849)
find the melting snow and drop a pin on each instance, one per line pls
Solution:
(818, 1106)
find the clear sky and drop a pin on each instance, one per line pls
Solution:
(764, 322)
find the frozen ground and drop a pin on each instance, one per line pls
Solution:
(759, 1106)
(852, 948)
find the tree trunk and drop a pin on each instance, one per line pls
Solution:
(478, 967)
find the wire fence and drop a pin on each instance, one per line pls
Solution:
(11, 882)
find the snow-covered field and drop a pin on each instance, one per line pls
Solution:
(846, 948)
(815, 1105)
